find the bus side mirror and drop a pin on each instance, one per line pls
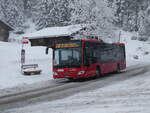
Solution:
(46, 51)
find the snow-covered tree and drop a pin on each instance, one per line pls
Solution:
(51, 13)
(96, 15)
(127, 13)
(11, 12)
(28, 7)
(42, 12)
(144, 28)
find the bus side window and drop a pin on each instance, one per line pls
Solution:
(96, 55)
(104, 56)
(122, 52)
(115, 53)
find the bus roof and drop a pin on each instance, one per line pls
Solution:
(92, 40)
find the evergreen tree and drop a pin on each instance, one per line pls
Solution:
(11, 12)
(28, 7)
(51, 13)
(144, 26)
(97, 15)
(127, 13)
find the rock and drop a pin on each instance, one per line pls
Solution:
(143, 38)
(136, 57)
(134, 38)
(146, 53)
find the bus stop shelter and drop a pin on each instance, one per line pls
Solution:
(50, 35)
(46, 37)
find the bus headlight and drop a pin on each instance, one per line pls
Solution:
(81, 72)
(55, 73)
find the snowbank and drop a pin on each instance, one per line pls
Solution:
(10, 66)
(137, 52)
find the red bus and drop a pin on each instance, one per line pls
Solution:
(86, 58)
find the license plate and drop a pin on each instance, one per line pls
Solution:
(60, 70)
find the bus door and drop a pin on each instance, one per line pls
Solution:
(89, 61)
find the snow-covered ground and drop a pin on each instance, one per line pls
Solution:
(129, 96)
(138, 52)
(10, 66)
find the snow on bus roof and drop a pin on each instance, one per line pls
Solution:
(51, 32)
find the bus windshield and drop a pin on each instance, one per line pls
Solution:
(67, 57)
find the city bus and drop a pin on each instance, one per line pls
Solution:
(76, 59)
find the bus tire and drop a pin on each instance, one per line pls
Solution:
(98, 72)
(71, 79)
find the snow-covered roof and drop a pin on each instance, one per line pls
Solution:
(5, 25)
(52, 32)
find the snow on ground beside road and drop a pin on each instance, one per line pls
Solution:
(135, 48)
(10, 66)
(129, 96)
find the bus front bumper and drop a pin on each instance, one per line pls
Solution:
(69, 73)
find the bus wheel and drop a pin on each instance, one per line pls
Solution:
(71, 79)
(98, 72)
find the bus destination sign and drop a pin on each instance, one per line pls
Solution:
(67, 45)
